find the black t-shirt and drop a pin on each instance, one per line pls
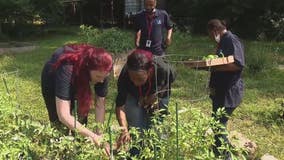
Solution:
(228, 86)
(160, 22)
(161, 80)
(62, 78)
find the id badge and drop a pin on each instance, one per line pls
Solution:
(148, 43)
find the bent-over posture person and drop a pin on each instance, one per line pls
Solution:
(144, 85)
(67, 77)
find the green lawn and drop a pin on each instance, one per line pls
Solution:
(258, 117)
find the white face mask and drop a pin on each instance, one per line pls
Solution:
(217, 38)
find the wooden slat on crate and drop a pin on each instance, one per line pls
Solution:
(208, 63)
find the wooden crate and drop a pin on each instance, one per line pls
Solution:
(208, 63)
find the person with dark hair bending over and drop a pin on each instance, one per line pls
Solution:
(140, 86)
(226, 84)
(66, 78)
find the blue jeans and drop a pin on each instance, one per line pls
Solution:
(139, 118)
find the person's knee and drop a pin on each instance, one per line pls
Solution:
(135, 116)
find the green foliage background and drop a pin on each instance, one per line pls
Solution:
(249, 18)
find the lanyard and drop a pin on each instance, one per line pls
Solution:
(148, 90)
(149, 20)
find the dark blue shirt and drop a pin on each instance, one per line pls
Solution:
(63, 77)
(165, 76)
(58, 83)
(227, 86)
(160, 22)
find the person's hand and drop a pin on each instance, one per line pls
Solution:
(123, 138)
(149, 100)
(107, 149)
(137, 44)
(168, 41)
(97, 139)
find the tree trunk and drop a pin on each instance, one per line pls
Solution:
(101, 13)
(81, 13)
(1, 27)
(111, 13)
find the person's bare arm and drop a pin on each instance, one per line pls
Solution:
(100, 109)
(65, 117)
(169, 37)
(121, 118)
(231, 67)
(137, 38)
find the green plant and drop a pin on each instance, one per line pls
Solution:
(23, 138)
(113, 39)
(194, 141)
(280, 102)
(209, 57)
(259, 57)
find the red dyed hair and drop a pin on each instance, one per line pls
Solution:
(85, 58)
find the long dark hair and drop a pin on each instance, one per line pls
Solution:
(85, 58)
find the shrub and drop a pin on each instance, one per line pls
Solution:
(280, 103)
(113, 39)
(23, 138)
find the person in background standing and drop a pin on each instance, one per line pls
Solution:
(226, 84)
(150, 25)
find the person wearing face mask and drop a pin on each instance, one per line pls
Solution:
(144, 85)
(226, 84)
(150, 25)
(66, 78)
